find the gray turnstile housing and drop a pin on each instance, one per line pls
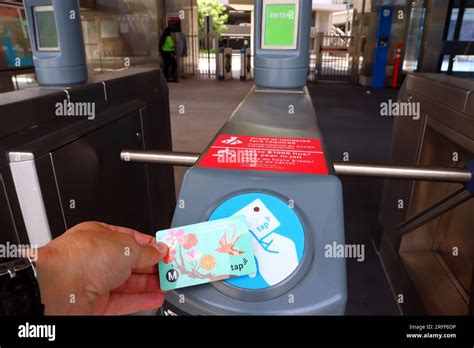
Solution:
(64, 64)
(224, 64)
(283, 68)
(56, 172)
(318, 285)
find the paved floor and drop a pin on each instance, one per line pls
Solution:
(352, 126)
(199, 108)
(349, 117)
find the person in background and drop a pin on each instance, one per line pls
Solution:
(181, 52)
(168, 53)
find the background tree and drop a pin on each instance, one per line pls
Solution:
(217, 12)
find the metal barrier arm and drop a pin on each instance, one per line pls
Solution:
(390, 171)
(342, 168)
(464, 176)
(160, 157)
(439, 208)
(444, 205)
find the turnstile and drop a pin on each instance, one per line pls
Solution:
(224, 64)
(59, 164)
(245, 64)
(258, 166)
(269, 164)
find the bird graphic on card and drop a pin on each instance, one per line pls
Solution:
(229, 247)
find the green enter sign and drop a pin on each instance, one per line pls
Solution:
(280, 26)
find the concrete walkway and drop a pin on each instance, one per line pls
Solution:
(199, 109)
(350, 121)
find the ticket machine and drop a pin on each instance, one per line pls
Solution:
(57, 41)
(269, 164)
(282, 34)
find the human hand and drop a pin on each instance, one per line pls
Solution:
(99, 269)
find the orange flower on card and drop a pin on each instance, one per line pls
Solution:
(208, 262)
(189, 241)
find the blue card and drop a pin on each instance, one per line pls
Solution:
(206, 252)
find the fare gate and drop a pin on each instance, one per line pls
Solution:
(335, 57)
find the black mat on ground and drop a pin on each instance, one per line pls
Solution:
(350, 120)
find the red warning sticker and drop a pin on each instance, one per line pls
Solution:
(274, 154)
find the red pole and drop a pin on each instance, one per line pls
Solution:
(396, 65)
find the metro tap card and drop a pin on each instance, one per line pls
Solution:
(206, 252)
(261, 221)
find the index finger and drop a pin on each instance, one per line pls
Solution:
(140, 238)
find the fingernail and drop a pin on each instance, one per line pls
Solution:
(161, 247)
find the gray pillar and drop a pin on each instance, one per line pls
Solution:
(436, 12)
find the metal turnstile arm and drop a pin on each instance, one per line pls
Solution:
(387, 171)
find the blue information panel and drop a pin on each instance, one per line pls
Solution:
(277, 237)
(382, 46)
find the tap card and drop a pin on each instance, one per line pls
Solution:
(206, 252)
(261, 221)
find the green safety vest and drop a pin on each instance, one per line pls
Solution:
(168, 46)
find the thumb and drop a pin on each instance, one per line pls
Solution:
(149, 255)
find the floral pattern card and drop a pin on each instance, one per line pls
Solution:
(206, 252)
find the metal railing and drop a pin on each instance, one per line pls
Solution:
(200, 61)
(334, 57)
(386, 171)
(331, 60)
(342, 2)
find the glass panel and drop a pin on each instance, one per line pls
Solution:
(46, 30)
(452, 24)
(125, 34)
(414, 37)
(463, 64)
(15, 50)
(445, 64)
(467, 28)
